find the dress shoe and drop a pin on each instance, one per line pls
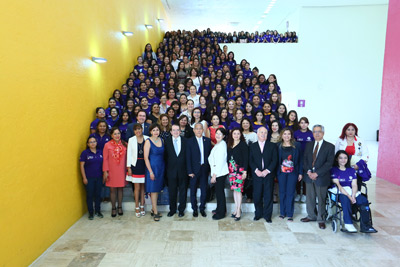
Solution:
(91, 217)
(321, 225)
(268, 220)
(195, 213)
(181, 214)
(203, 213)
(214, 212)
(237, 218)
(171, 213)
(216, 217)
(369, 230)
(99, 214)
(256, 218)
(306, 219)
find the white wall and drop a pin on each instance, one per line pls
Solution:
(336, 66)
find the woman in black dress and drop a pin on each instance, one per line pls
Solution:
(238, 157)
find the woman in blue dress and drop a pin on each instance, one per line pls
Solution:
(155, 165)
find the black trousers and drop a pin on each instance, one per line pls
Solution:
(263, 188)
(177, 186)
(202, 179)
(220, 194)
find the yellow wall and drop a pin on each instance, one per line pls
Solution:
(49, 90)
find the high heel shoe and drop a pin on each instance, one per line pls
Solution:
(114, 212)
(142, 212)
(237, 218)
(137, 212)
(120, 212)
(153, 214)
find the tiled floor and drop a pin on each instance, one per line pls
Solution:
(188, 241)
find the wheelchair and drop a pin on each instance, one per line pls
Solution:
(335, 210)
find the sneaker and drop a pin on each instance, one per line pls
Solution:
(303, 198)
(350, 228)
(297, 198)
(91, 216)
(99, 214)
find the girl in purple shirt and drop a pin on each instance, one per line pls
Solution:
(345, 178)
(91, 163)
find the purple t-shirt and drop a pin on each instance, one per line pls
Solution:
(303, 138)
(93, 163)
(101, 141)
(93, 125)
(345, 177)
(153, 100)
(233, 125)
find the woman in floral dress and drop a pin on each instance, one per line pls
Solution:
(238, 156)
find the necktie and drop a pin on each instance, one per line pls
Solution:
(314, 155)
(262, 158)
(176, 146)
(201, 152)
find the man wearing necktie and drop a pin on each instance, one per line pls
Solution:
(318, 160)
(197, 151)
(140, 119)
(263, 160)
(175, 156)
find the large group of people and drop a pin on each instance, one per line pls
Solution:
(189, 116)
(268, 36)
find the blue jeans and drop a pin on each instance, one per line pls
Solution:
(93, 193)
(287, 188)
(346, 206)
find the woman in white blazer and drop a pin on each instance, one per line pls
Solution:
(219, 171)
(137, 167)
(354, 146)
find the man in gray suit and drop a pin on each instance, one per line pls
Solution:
(318, 159)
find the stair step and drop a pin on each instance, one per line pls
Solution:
(299, 208)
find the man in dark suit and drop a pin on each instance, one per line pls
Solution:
(175, 152)
(197, 151)
(263, 160)
(318, 159)
(140, 119)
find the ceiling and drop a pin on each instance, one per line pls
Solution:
(237, 15)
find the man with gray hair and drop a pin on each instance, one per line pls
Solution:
(317, 163)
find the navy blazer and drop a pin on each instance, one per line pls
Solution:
(176, 164)
(297, 158)
(323, 163)
(130, 133)
(270, 156)
(193, 154)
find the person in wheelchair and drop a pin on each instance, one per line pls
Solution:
(345, 178)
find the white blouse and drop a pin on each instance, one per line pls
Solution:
(218, 159)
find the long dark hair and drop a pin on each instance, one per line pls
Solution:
(119, 122)
(336, 161)
(230, 138)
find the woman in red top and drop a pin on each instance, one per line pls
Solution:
(215, 124)
(114, 169)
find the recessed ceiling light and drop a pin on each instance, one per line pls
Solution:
(99, 59)
(148, 26)
(127, 33)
